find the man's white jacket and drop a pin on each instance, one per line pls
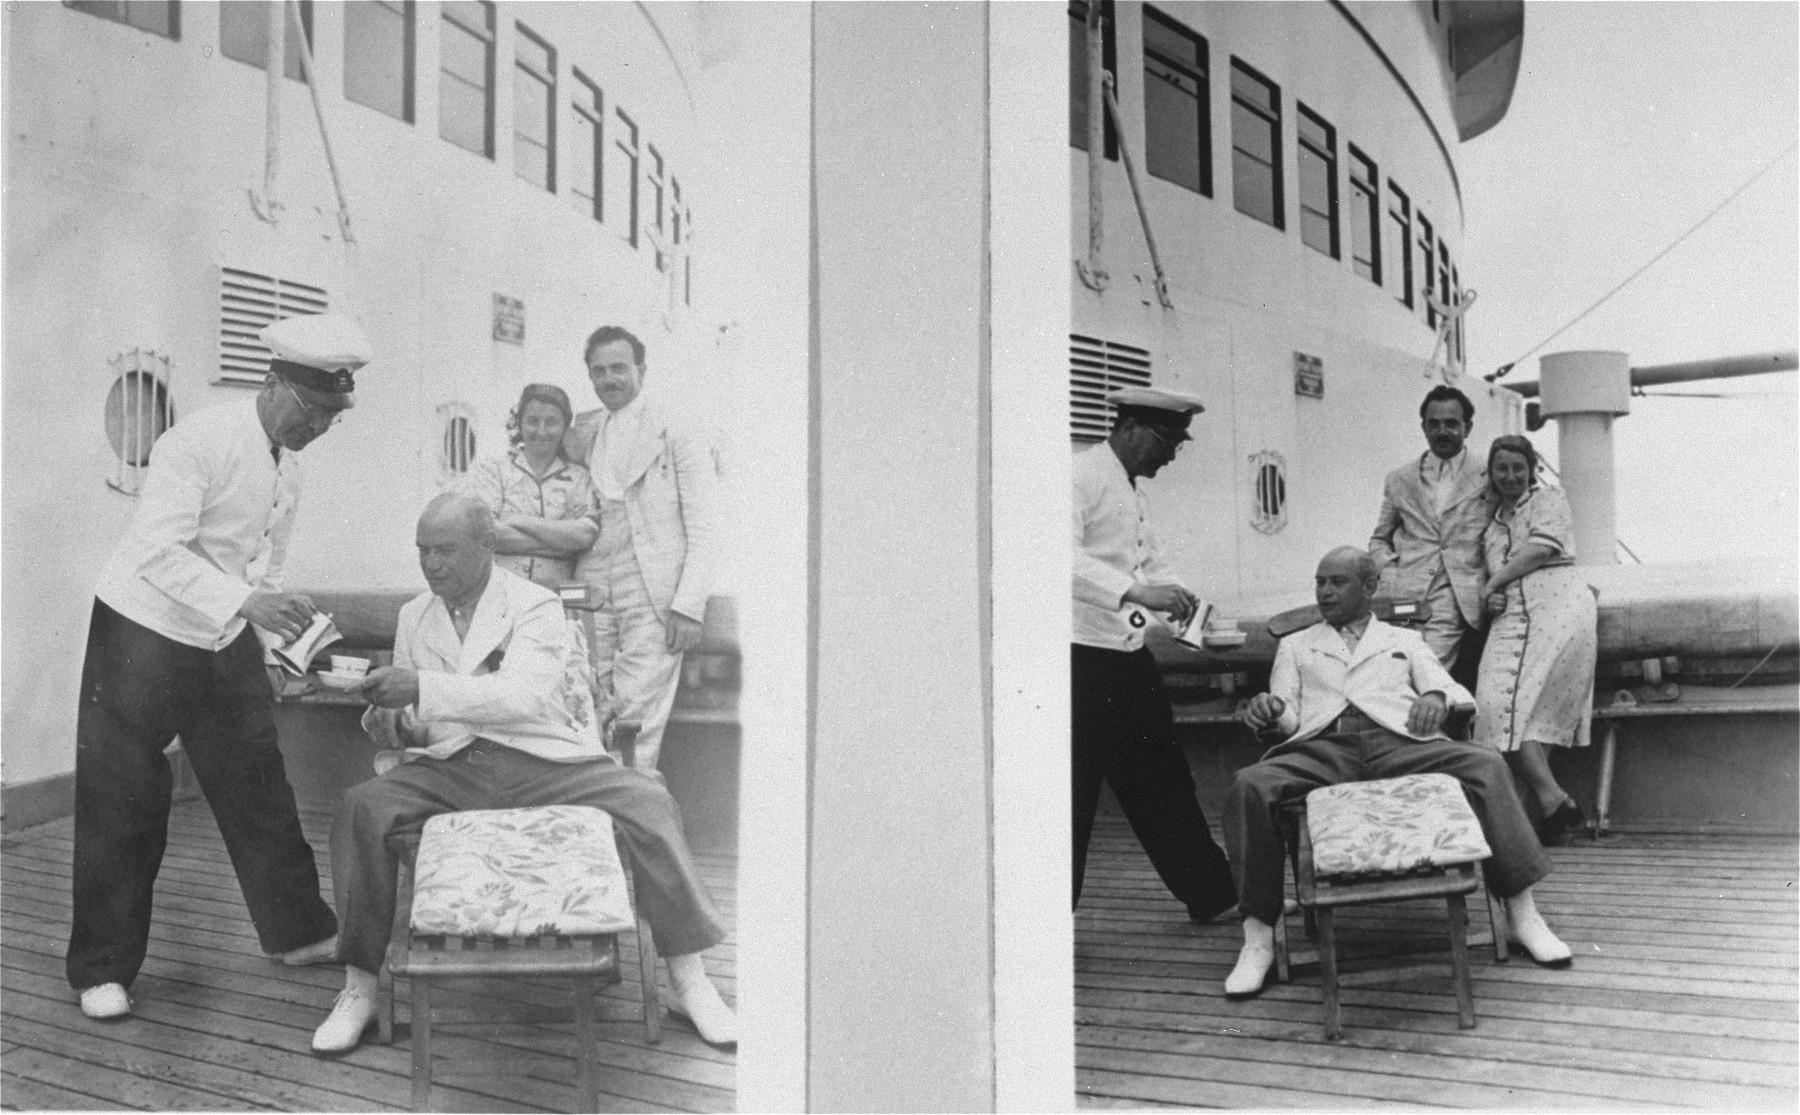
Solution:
(519, 678)
(1317, 678)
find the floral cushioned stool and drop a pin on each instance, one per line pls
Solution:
(1389, 840)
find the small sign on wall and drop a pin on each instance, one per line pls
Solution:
(509, 320)
(1309, 376)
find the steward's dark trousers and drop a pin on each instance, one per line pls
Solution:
(139, 690)
(1293, 770)
(487, 775)
(1123, 733)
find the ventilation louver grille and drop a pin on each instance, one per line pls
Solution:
(1097, 367)
(247, 302)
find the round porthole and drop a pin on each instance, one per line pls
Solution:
(456, 449)
(459, 444)
(1268, 503)
(137, 413)
(138, 410)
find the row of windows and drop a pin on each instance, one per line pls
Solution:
(1178, 149)
(626, 184)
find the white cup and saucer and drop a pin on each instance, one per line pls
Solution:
(347, 672)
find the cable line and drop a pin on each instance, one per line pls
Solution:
(1770, 165)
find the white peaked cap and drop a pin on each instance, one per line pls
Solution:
(1155, 398)
(324, 341)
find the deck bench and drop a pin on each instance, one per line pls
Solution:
(1774, 700)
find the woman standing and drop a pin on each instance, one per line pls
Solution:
(543, 503)
(1537, 673)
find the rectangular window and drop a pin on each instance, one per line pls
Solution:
(146, 15)
(466, 80)
(622, 176)
(1256, 146)
(654, 176)
(1456, 285)
(1443, 277)
(1078, 73)
(244, 34)
(534, 109)
(378, 56)
(1400, 217)
(583, 148)
(1317, 163)
(1425, 260)
(1365, 216)
(1177, 116)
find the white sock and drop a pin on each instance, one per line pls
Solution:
(700, 1000)
(355, 979)
(688, 966)
(1254, 959)
(1527, 927)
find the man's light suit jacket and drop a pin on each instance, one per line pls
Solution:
(1317, 677)
(671, 501)
(1411, 540)
(519, 678)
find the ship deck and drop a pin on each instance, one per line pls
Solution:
(217, 1027)
(1682, 995)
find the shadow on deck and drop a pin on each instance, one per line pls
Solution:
(1683, 994)
(218, 1027)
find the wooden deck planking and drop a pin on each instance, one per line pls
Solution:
(217, 1026)
(1683, 994)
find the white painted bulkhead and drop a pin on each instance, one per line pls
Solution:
(128, 164)
(1249, 296)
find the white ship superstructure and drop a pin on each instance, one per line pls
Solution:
(1297, 165)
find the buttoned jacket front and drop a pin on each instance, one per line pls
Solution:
(511, 680)
(1318, 678)
(1115, 548)
(1413, 540)
(670, 485)
(212, 525)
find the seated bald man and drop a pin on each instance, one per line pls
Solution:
(1355, 699)
(497, 734)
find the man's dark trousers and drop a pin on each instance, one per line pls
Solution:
(1123, 733)
(139, 690)
(1367, 751)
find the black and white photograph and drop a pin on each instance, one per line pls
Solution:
(836, 555)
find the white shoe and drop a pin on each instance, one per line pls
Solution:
(106, 1002)
(698, 1001)
(342, 1031)
(319, 952)
(1251, 975)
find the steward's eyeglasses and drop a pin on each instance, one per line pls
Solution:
(317, 415)
(1169, 443)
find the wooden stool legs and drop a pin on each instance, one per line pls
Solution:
(587, 1073)
(421, 1044)
(1334, 1027)
(1459, 960)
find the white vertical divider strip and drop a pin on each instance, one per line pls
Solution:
(1028, 195)
(755, 109)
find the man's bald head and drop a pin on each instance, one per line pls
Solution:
(456, 547)
(1355, 560)
(459, 512)
(1343, 585)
